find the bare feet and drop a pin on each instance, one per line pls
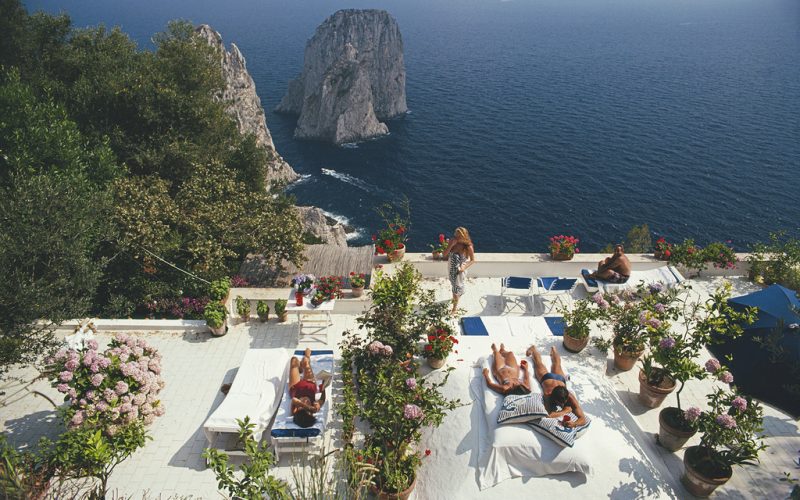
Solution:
(531, 350)
(553, 351)
(502, 347)
(307, 352)
(494, 348)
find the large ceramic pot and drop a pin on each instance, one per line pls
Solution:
(561, 256)
(625, 360)
(673, 430)
(397, 255)
(283, 317)
(652, 396)
(219, 332)
(435, 363)
(357, 291)
(573, 344)
(700, 477)
(403, 495)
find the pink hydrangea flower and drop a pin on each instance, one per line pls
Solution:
(667, 343)
(654, 323)
(726, 377)
(642, 318)
(121, 388)
(71, 365)
(412, 411)
(598, 297)
(77, 419)
(739, 403)
(691, 414)
(97, 379)
(712, 365)
(62, 388)
(411, 383)
(65, 376)
(660, 308)
(92, 344)
(387, 350)
(726, 421)
(376, 347)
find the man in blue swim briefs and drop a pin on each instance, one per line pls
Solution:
(614, 269)
(558, 401)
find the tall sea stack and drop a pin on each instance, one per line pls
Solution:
(243, 103)
(353, 78)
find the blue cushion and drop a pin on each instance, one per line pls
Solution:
(519, 409)
(555, 324)
(552, 428)
(517, 282)
(309, 432)
(473, 326)
(589, 281)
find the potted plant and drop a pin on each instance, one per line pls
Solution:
(357, 283)
(438, 249)
(243, 308)
(214, 314)
(720, 255)
(218, 289)
(440, 343)
(662, 250)
(392, 239)
(729, 436)
(262, 309)
(630, 334)
(697, 325)
(280, 310)
(577, 321)
(302, 284)
(688, 256)
(330, 287)
(563, 247)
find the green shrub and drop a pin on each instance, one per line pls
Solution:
(219, 289)
(243, 307)
(280, 306)
(262, 309)
(215, 314)
(777, 261)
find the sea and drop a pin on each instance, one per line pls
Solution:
(533, 118)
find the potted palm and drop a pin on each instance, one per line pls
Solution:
(262, 309)
(578, 321)
(729, 436)
(280, 310)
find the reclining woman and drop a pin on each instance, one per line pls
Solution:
(506, 370)
(558, 401)
(303, 390)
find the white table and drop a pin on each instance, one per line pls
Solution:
(308, 310)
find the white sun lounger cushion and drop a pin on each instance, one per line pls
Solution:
(552, 428)
(518, 409)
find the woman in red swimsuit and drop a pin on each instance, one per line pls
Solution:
(303, 390)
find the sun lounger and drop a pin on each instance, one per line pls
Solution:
(285, 434)
(505, 328)
(666, 275)
(255, 392)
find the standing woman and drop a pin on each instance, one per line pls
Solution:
(462, 255)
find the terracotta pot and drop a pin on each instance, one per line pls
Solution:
(435, 363)
(298, 297)
(403, 495)
(357, 291)
(397, 255)
(670, 436)
(264, 318)
(437, 255)
(697, 483)
(561, 256)
(573, 344)
(219, 332)
(283, 317)
(660, 255)
(624, 360)
(652, 396)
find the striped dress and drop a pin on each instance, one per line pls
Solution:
(456, 278)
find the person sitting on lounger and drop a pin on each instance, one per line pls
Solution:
(506, 370)
(614, 269)
(558, 401)
(303, 390)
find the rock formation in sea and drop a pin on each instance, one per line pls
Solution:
(323, 227)
(353, 78)
(244, 105)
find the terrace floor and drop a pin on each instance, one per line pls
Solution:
(196, 365)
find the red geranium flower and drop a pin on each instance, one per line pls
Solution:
(428, 347)
(427, 453)
(380, 250)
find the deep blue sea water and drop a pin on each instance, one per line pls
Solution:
(538, 117)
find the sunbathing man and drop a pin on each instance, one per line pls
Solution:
(303, 391)
(614, 269)
(506, 370)
(558, 401)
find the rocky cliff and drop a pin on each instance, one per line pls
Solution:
(244, 104)
(326, 229)
(353, 76)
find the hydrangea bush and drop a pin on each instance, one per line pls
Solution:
(111, 388)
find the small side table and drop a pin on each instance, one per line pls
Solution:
(308, 310)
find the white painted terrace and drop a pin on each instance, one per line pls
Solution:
(195, 365)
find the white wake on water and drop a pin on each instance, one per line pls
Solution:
(349, 179)
(356, 233)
